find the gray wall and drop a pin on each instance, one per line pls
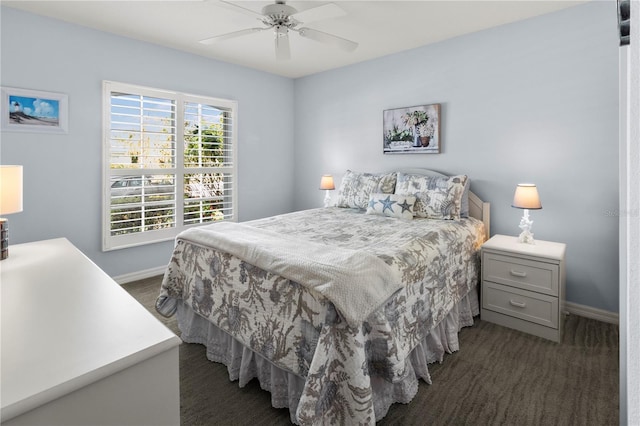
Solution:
(532, 101)
(63, 173)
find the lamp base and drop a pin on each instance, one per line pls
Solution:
(4, 239)
(526, 237)
(327, 199)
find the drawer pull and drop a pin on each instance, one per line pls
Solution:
(517, 304)
(520, 274)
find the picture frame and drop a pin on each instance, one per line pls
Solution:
(35, 111)
(411, 130)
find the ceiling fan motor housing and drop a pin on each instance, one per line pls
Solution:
(278, 14)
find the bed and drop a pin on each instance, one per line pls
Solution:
(337, 311)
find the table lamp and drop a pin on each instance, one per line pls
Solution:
(10, 201)
(526, 197)
(326, 183)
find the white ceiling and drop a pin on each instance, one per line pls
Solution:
(380, 27)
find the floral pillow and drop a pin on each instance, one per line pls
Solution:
(464, 204)
(356, 188)
(392, 205)
(438, 197)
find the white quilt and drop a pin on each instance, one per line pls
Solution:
(355, 281)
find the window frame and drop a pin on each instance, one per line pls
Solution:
(115, 242)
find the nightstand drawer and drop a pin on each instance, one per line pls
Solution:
(529, 306)
(522, 273)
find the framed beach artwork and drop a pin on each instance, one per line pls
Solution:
(26, 110)
(412, 130)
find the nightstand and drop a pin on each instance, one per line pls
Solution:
(523, 285)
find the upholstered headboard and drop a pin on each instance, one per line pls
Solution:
(477, 208)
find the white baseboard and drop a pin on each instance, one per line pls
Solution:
(140, 275)
(593, 313)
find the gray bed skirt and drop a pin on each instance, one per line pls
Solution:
(286, 388)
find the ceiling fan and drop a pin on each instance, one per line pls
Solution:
(283, 18)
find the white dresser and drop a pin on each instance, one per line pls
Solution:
(77, 349)
(523, 285)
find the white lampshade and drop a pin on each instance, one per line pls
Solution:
(327, 182)
(526, 197)
(10, 189)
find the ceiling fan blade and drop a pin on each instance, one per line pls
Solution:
(216, 39)
(326, 11)
(283, 52)
(241, 9)
(327, 38)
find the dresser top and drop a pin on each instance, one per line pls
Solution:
(544, 249)
(66, 324)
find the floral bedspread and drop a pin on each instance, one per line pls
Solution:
(300, 331)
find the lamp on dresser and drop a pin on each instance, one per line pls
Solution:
(327, 184)
(10, 201)
(527, 198)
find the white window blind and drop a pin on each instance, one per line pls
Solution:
(169, 163)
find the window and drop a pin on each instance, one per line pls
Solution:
(169, 163)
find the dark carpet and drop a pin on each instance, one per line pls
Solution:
(499, 377)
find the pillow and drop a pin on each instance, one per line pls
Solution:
(392, 205)
(464, 203)
(438, 197)
(356, 188)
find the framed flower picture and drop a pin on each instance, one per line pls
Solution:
(26, 110)
(411, 130)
